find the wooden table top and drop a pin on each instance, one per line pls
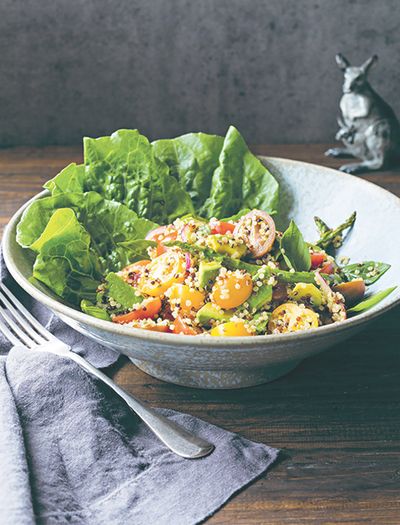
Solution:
(336, 417)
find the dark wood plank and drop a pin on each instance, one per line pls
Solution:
(336, 417)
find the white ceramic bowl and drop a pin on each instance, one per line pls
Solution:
(218, 362)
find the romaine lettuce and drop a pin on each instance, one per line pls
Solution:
(191, 159)
(240, 181)
(116, 233)
(65, 261)
(124, 168)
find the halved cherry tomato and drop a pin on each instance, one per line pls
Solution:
(289, 317)
(147, 310)
(257, 229)
(222, 227)
(232, 289)
(180, 327)
(317, 259)
(328, 268)
(231, 329)
(161, 235)
(188, 298)
(133, 272)
(163, 272)
(353, 291)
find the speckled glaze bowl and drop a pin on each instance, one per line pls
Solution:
(218, 362)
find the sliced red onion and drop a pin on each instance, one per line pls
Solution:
(323, 284)
(184, 232)
(188, 261)
(329, 294)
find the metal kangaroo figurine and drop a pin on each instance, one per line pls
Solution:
(368, 126)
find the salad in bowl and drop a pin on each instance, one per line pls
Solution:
(179, 236)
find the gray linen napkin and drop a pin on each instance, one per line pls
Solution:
(71, 452)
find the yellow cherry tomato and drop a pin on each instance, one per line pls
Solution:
(290, 317)
(185, 298)
(231, 289)
(231, 329)
(163, 272)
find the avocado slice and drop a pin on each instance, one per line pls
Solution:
(216, 243)
(210, 312)
(208, 271)
(259, 298)
(307, 291)
(122, 292)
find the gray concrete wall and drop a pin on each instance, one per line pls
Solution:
(75, 67)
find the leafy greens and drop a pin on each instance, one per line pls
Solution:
(294, 249)
(116, 233)
(65, 261)
(125, 187)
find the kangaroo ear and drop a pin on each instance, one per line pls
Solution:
(341, 61)
(368, 63)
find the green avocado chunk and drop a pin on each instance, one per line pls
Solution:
(208, 271)
(121, 292)
(210, 312)
(258, 299)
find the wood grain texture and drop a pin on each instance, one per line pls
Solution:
(336, 417)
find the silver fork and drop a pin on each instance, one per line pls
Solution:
(22, 329)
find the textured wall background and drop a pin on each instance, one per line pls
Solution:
(75, 67)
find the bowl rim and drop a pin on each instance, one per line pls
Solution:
(187, 340)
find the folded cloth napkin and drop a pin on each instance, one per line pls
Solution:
(72, 452)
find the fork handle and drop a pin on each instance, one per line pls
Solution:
(174, 436)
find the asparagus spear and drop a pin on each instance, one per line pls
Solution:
(321, 225)
(332, 236)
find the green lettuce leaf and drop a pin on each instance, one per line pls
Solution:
(124, 168)
(70, 180)
(195, 173)
(191, 159)
(65, 262)
(294, 249)
(116, 232)
(240, 181)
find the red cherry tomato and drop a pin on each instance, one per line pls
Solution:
(180, 327)
(257, 229)
(317, 259)
(222, 228)
(328, 268)
(147, 310)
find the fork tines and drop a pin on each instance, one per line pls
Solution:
(17, 324)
